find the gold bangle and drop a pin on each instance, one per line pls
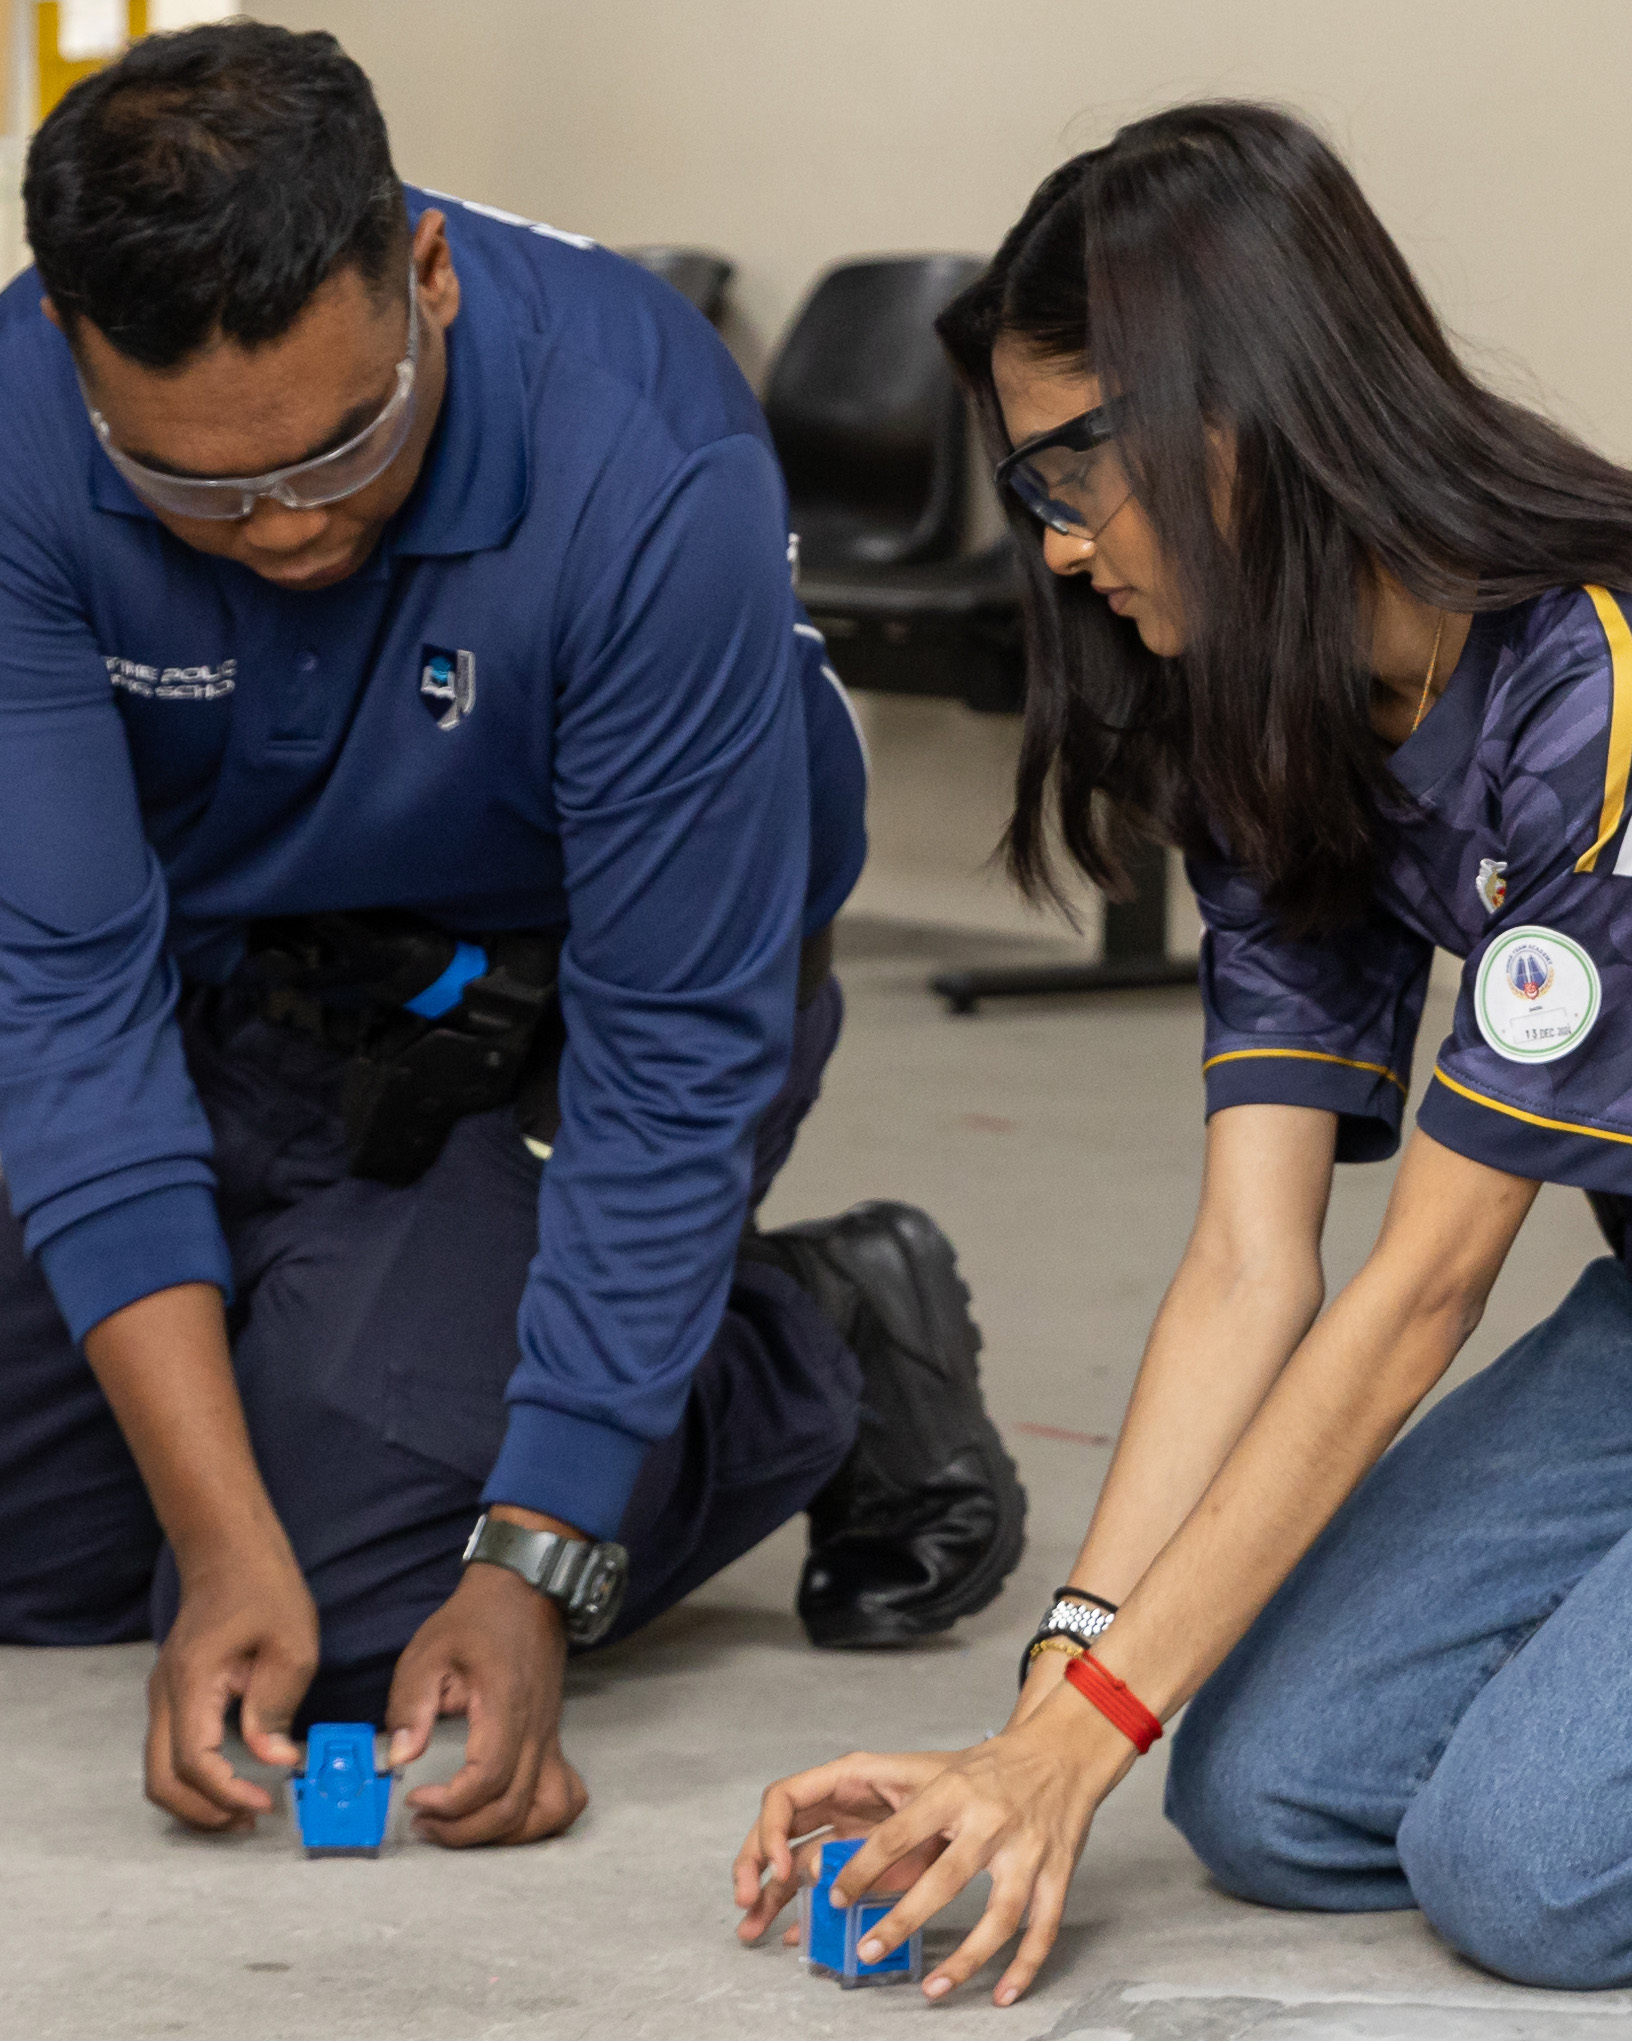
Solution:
(1069, 1645)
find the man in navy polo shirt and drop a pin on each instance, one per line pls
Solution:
(423, 806)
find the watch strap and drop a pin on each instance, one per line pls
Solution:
(1074, 1615)
(585, 1580)
(546, 1560)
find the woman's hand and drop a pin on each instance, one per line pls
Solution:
(849, 1797)
(1018, 1806)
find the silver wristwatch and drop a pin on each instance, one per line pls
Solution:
(587, 1580)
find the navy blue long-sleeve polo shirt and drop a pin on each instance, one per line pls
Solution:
(571, 688)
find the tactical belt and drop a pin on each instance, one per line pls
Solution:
(432, 1027)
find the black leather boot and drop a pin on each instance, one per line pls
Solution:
(926, 1518)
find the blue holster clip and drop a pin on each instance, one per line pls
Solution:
(341, 1802)
(832, 1935)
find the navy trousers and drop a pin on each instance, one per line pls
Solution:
(373, 1334)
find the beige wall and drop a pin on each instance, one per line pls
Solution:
(1495, 136)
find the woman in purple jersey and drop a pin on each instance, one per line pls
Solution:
(1307, 599)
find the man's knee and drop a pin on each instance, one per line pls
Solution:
(1525, 1892)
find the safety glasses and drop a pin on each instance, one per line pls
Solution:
(1072, 478)
(307, 485)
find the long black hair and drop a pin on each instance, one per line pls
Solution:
(1218, 269)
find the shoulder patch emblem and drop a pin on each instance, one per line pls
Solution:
(1537, 995)
(1490, 885)
(447, 685)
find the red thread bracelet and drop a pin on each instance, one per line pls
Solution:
(1111, 1697)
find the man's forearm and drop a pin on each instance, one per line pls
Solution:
(165, 1367)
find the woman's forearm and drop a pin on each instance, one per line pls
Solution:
(1349, 1388)
(1247, 1291)
(1219, 1342)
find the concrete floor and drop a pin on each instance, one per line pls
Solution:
(1059, 1145)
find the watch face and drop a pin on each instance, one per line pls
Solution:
(599, 1594)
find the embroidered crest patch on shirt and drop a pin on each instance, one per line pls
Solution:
(1490, 885)
(1537, 995)
(447, 685)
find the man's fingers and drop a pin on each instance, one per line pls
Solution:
(559, 1797)
(418, 1692)
(196, 1728)
(1047, 1910)
(490, 1818)
(476, 1784)
(494, 1730)
(493, 1765)
(275, 1688)
(165, 1790)
(162, 1786)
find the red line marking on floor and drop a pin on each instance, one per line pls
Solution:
(1054, 1431)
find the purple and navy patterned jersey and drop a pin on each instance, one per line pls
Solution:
(1512, 853)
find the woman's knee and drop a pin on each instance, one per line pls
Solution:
(1519, 1892)
(1220, 1800)
(1228, 1798)
(1270, 1812)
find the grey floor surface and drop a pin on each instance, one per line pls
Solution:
(1059, 1144)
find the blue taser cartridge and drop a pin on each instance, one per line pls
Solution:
(831, 1936)
(340, 1800)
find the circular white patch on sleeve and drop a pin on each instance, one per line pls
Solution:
(1537, 995)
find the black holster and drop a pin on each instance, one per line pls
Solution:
(345, 978)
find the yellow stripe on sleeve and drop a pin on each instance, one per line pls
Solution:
(1530, 1119)
(1302, 1056)
(1620, 722)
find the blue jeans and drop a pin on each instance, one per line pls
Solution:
(1436, 1709)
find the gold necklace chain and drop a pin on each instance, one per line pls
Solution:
(1428, 677)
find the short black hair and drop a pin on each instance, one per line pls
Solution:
(209, 182)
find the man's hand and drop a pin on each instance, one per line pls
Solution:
(494, 1653)
(246, 1631)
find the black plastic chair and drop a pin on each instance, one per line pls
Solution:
(873, 436)
(872, 431)
(699, 276)
(866, 417)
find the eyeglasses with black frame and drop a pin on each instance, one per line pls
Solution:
(1070, 478)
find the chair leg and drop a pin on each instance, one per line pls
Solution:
(1135, 951)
